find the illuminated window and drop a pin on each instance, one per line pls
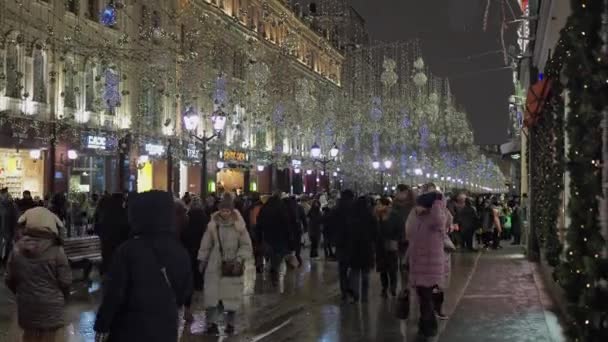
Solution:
(13, 72)
(39, 94)
(69, 74)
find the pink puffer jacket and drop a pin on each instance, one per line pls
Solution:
(425, 232)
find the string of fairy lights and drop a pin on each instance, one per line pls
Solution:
(580, 64)
(184, 55)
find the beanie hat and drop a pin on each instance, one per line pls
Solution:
(226, 203)
(41, 219)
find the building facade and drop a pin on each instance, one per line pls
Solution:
(93, 94)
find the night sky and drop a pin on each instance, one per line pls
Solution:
(449, 31)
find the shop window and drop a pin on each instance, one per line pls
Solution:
(39, 76)
(111, 93)
(69, 97)
(13, 72)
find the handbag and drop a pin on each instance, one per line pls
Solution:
(391, 245)
(230, 268)
(402, 307)
(448, 245)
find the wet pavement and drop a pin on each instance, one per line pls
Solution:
(493, 296)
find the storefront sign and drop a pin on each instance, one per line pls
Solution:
(191, 151)
(155, 149)
(96, 142)
(235, 155)
(296, 163)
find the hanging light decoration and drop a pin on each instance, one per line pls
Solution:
(108, 15)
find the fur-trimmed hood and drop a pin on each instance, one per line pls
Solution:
(235, 218)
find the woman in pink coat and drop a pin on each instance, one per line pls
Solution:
(426, 232)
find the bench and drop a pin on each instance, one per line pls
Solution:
(83, 252)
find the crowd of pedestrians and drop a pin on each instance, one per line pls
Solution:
(156, 246)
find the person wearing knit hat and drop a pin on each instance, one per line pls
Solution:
(226, 240)
(226, 203)
(38, 272)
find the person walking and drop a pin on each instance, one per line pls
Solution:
(516, 222)
(59, 206)
(467, 219)
(341, 221)
(256, 237)
(39, 275)
(328, 235)
(225, 251)
(491, 225)
(191, 237)
(315, 220)
(426, 234)
(362, 240)
(273, 228)
(297, 224)
(8, 224)
(150, 277)
(387, 249)
(112, 229)
(26, 202)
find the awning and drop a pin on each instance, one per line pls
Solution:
(511, 149)
(535, 101)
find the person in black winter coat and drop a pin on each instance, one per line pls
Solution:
(191, 237)
(339, 222)
(328, 236)
(362, 241)
(315, 220)
(467, 219)
(273, 224)
(150, 276)
(297, 221)
(113, 228)
(26, 203)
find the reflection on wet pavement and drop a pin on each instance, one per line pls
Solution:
(306, 307)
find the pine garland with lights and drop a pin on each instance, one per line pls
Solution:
(583, 272)
(547, 139)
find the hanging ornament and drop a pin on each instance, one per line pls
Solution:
(389, 76)
(420, 79)
(108, 15)
(111, 94)
(376, 111)
(419, 64)
(406, 122)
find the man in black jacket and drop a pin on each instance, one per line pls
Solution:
(341, 221)
(150, 277)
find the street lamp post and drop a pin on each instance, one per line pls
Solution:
(191, 122)
(315, 153)
(387, 166)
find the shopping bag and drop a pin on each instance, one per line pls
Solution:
(402, 306)
(292, 261)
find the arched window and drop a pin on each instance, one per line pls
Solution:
(69, 96)
(13, 72)
(39, 66)
(151, 105)
(90, 84)
(111, 93)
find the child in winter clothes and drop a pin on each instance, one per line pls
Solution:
(39, 275)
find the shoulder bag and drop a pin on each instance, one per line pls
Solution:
(230, 268)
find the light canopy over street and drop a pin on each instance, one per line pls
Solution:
(308, 170)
